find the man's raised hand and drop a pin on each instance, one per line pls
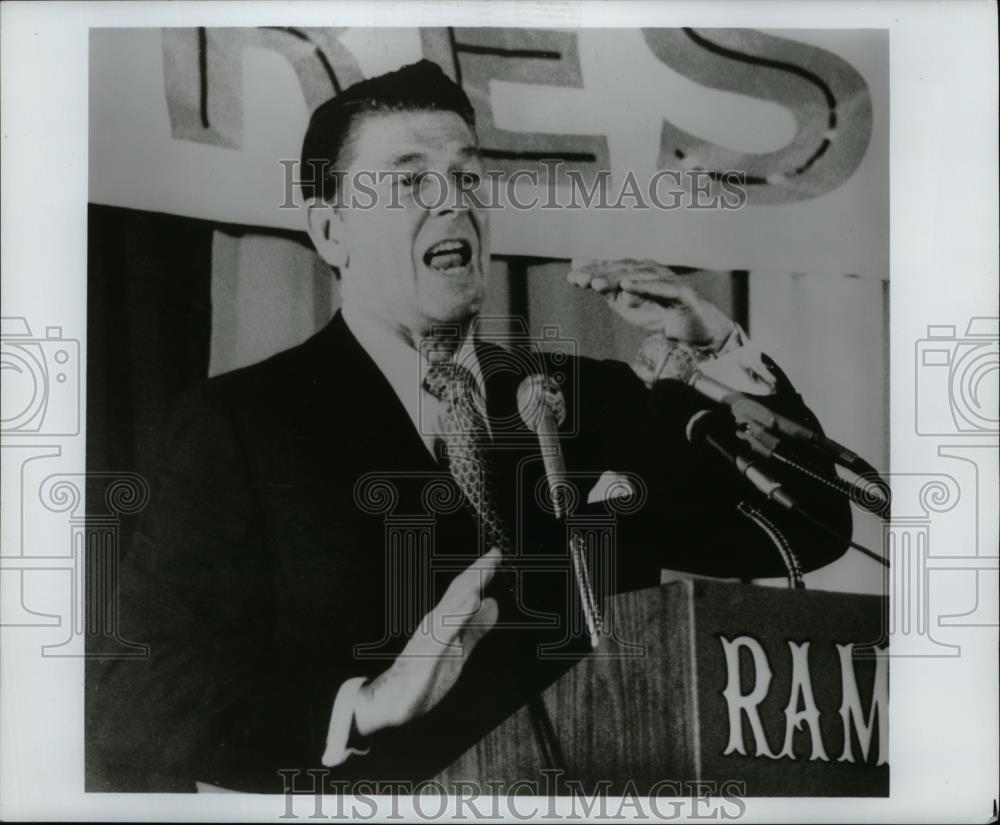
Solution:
(433, 658)
(650, 295)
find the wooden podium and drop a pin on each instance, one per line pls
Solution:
(705, 681)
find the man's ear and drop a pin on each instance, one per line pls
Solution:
(326, 225)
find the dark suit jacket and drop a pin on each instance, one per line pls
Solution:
(299, 530)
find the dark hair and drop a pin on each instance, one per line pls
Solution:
(417, 87)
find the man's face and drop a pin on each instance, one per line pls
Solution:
(420, 255)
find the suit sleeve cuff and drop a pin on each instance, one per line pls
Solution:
(738, 364)
(338, 733)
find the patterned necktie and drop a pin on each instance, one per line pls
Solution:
(464, 434)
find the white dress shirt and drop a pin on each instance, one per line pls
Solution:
(405, 368)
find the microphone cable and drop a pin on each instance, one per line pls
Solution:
(877, 503)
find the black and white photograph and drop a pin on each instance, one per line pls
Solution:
(502, 412)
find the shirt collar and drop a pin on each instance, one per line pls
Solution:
(404, 367)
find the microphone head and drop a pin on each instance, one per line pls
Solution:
(662, 358)
(697, 425)
(538, 397)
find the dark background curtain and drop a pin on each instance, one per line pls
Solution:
(149, 321)
(149, 326)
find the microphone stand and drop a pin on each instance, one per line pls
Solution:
(581, 570)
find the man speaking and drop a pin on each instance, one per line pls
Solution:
(287, 628)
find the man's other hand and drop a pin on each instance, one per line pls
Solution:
(433, 658)
(650, 295)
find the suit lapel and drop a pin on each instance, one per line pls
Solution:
(371, 424)
(364, 428)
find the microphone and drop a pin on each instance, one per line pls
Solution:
(748, 411)
(761, 428)
(542, 408)
(757, 417)
(700, 429)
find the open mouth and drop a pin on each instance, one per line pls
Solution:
(449, 256)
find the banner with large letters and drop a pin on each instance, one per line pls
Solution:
(209, 123)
